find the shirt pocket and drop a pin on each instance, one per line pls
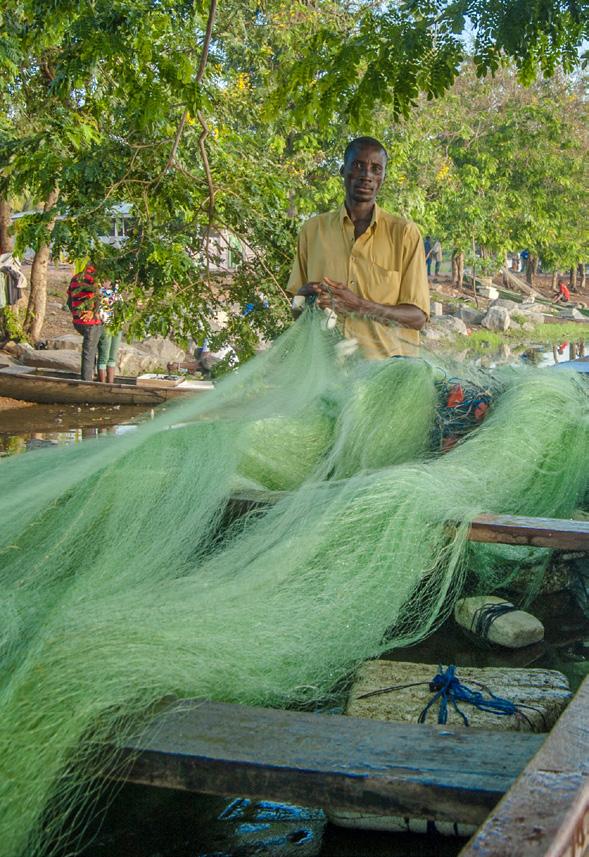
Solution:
(381, 285)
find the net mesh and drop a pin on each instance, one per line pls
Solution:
(127, 579)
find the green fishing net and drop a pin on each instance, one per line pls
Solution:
(128, 579)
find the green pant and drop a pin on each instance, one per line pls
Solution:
(108, 348)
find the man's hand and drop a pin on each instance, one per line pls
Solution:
(310, 289)
(339, 298)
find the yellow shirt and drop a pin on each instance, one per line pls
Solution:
(385, 265)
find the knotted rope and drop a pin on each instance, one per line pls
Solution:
(449, 690)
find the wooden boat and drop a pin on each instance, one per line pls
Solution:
(529, 792)
(30, 384)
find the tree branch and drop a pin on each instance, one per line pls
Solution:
(180, 130)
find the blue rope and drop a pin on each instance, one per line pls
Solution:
(449, 690)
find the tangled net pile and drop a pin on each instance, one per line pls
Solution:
(125, 580)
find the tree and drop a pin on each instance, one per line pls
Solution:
(397, 50)
(182, 111)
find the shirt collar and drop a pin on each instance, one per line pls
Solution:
(345, 217)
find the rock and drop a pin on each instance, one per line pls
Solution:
(528, 326)
(7, 359)
(547, 690)
(497, 318)
(470, 315)
(437, 308)
(449, 324)
(512, 630)
(149, 356)
(69, 341)
(570, 312)
(534, 318)
(528, 308)
(21, 349)
(506, 304)
(68, 361)
(488, 292)
(429, 332)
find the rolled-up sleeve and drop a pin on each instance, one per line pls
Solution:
(414, 287)
(298, 274)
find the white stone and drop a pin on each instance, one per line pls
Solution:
(513, 630)
(488, 292)
(437, 308)
(497, 318)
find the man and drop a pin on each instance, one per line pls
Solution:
(365, 264)
(83, 300)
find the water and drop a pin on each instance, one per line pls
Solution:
(37, 426)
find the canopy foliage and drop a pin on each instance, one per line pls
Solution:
(128, 102)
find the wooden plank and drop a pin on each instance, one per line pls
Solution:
(556, 533)
(539, 532)
(546, 812)
(336, 762)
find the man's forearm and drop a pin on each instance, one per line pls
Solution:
(407, 315)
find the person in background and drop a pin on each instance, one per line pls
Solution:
(366, 265)
(436, 256)
(427, 246)
(109, 342)
(83, 300)
(562, 293)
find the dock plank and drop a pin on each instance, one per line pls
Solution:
(331, 761)
(559, 533)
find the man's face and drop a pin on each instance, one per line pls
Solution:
(363, 173)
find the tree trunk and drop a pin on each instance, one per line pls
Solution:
(582, 279)
(37, 304)
(554, 280)
(573, 279)
(6, 240)
(457, 269)
(531, 269)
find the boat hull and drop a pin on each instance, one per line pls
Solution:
(19, 382)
